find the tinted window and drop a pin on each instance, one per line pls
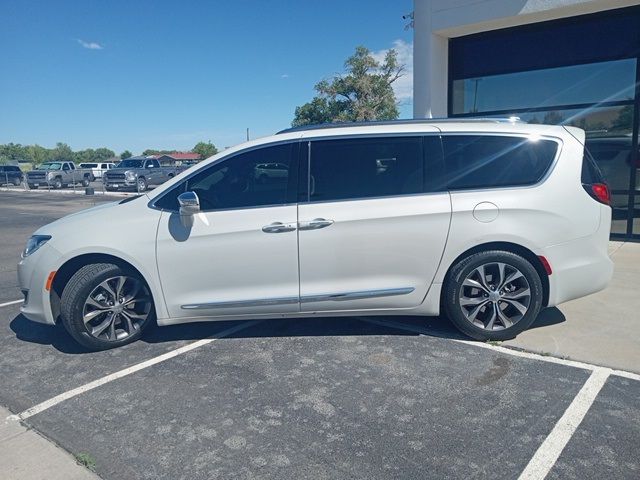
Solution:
(361, 168)
(590, 172)
(576, 84)
(252, 179)
(131, 164)
(153, 164)
(485, 161)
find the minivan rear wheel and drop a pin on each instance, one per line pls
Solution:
(493, 295)
(105, 306)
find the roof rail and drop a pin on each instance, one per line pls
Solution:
(413, 121)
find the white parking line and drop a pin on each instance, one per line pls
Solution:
(547, 454)
(14, 302)
(41, 407)
(505, 350)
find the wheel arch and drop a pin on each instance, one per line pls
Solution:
(524, 252)
(71, 266)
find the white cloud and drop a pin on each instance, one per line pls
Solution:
(403, 87)
(284, 75)
(90, 45)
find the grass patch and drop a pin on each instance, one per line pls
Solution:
(495, 343)
(86, 460)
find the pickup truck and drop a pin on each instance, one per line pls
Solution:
(98, 168)
(58, 175)
(138, 173)
(10, 174)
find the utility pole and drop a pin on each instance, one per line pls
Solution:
(247, 134)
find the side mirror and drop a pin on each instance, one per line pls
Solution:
(189, 203)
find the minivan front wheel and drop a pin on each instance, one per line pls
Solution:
(493, 295)
(105, 306)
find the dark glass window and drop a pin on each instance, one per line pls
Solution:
(366, 167)
(577, 84)
(485, 161)
(610, 35)
(590, 172)
(153, 164)
(252, 179)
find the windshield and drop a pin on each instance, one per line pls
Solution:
(51, 166)
(131, 164)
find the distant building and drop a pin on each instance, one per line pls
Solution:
(178, 158)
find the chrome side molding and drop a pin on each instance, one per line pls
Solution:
(242, 303)
(330, 297)
(337, 297)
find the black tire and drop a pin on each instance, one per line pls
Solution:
(85, 182)
(141, 184)
(76, 292)
(32, 186)
(454, 284)
(57, 183)
(16, 181)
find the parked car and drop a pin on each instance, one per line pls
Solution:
(97, 169)
(58, 175)
(486, 221)
(138, 174)
(10, 174)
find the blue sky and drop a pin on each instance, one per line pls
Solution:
(166, 74)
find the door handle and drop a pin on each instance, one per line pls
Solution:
(315, 224)
(278, 227)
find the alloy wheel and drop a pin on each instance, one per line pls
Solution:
(495, 296)
(116, 308)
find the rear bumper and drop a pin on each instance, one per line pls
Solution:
(580, 267)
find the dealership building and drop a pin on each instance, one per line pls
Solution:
(572, 62)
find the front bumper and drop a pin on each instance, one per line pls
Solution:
(32, 278)
(120, 183)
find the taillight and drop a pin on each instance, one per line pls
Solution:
(599, 192)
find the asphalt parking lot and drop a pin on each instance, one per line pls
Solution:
(401, 397)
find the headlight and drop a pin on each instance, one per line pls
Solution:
(130, 176)
(34, 243)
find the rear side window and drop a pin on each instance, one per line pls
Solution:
(488, 161)
(591, 173)
(365, 168)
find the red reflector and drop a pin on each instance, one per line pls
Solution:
(601, 191)
(545, 264)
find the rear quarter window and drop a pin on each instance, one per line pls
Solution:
(490, 161)
(591, 173)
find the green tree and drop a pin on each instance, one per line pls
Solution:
(63, 153)
(363, 93)
(126, 154)
(151, 151)
(205, 150)
(37, 154)
(553, 118)
(624, 120)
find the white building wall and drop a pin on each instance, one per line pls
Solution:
(436, 21)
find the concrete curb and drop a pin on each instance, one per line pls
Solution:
(26, 455)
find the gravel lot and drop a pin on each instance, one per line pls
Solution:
(401, 397)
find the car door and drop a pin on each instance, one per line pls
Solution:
(238, 256)
(370, 235)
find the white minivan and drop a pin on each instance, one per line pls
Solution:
(485, 221)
